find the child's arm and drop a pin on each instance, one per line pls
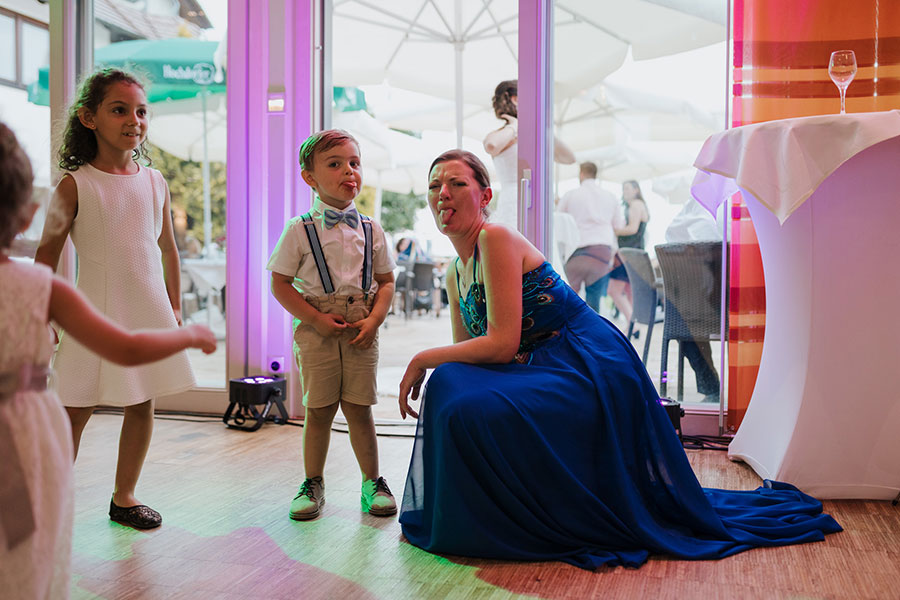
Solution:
(58, 223)
(287, 295)
(170, 261)
(368, 327)
(78, 318)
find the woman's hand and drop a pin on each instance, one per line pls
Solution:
(410, 386)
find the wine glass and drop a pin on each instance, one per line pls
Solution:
(842, 70)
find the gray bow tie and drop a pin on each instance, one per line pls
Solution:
(333, 217)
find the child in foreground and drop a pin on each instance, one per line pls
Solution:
(116, 210)
(35, 436)
(333, 271)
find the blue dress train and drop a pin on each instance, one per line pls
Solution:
(566, 454)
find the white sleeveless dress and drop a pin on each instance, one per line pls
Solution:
(116, 233)
(504, 207)
(36, 434)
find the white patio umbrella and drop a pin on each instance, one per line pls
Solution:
(193, 129)
(461, 49)
(177, 127)
(646, 120)
(397, 161)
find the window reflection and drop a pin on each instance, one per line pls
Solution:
(7, 48)
(35, 51)
(639, 108)
(24, 49)
(177, 46)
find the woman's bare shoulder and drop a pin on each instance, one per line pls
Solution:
(497, 233)
(499, 239)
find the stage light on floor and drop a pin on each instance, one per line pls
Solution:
(246, 394)
(675, 412)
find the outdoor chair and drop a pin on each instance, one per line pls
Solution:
(646, 288)
(191, 302)
(403, 273)
(420, 291)
(692, 279)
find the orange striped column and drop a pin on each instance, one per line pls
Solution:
(780, 70)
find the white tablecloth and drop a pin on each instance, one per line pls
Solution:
(208, 274)
(566, 239)
(781, 163)
(824, 197)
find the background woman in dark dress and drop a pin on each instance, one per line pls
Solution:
(630, 236)
(541, 436)
(636, 216)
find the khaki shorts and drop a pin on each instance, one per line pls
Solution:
(330, 368)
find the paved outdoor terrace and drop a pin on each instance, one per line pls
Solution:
(401, 338)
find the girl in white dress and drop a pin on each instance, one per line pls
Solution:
(35, 438)
(116, 211)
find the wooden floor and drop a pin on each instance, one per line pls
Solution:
(224, 497)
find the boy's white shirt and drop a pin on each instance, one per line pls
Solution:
(343, 248)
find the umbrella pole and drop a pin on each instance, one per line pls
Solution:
(207, 210)
(379, 196)
(459, 46)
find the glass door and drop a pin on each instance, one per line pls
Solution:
(25, 48)
(635, 111)
(178, 50)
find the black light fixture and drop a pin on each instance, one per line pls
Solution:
(247, 394)
(674, 411)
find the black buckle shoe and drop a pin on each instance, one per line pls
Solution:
(139, 517)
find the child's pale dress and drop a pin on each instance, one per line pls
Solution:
(35, 445)
(116, 233)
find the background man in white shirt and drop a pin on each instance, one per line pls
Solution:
(597, 213)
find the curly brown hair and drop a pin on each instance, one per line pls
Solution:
(502, 100)
(79, 145)
(15, 186)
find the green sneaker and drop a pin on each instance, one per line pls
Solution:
(309, 499)
(377, 499)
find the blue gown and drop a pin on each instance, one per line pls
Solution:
(566, 454)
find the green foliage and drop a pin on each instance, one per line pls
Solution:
(398, 211)
(185, 179)
(365, 201)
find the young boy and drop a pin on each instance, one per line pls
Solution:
(333, 270)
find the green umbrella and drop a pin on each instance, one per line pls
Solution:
(175, 68)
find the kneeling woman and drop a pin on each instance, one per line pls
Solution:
(541, 436)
